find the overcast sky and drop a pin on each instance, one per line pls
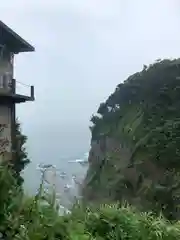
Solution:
(84, 48)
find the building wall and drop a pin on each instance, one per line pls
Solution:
(6, 67)
(6, 72)
(5, 132)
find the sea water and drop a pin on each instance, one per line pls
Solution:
(65, 180)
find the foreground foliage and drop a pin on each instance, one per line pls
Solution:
(20, 160)
(28, 219)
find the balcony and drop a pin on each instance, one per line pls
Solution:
(14, 91)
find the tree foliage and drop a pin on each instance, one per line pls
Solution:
(20, 160)
(23, 218)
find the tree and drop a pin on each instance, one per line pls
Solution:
(102, 109)
(95, 119)
(20, 159)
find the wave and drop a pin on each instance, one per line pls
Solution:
(66, 185)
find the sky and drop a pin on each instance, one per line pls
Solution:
(84, 48)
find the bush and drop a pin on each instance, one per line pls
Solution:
(25, 218)
(113, 222)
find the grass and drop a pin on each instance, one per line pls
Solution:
(26, 218)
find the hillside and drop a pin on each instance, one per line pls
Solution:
(135, 147)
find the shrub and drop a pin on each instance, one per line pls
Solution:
(25, 218)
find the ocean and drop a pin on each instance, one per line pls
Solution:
(66, 179)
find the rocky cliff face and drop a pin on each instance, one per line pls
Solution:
(135, 148)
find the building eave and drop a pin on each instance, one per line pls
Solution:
(13, 40)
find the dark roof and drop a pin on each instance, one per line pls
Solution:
(13, 41)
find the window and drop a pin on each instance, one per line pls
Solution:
(7, 80)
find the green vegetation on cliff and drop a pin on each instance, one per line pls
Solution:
(142, 117)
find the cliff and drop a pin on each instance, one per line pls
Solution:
(135, 147)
